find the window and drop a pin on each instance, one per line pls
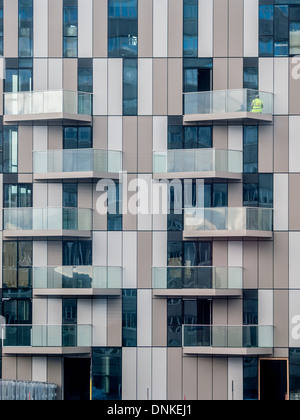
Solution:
(130, 86)
(251, 73)
(250, 307)
(19, 75)
(250, 149)
(203, 196)
(17, 264)
(18, 312)
(85, 83)
(197, 74)
(122, 28)
(70, 28)
(77, 253)
(186, 312)
(129, 318)
(70, 195)
(106, 373)
(279, 29)
(181, 137)
(114, 215)
(258, 190)
(77, 138)
(190, 28)
(1, 27)
(17, 195)
(250, 375)
(25, 28)
(189, 254)
(8, 149)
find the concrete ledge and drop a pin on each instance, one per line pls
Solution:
(218, 351)
(197, 292)
(74, 175)
(192, 234)
(198, 175)
(247, 116)
(46, 233)
(77, 292)
(46, 350)
(55, 116)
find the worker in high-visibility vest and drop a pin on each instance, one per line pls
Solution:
(257, 105)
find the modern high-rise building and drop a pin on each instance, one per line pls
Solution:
(103, 101)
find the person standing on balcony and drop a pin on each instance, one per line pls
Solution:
(257, 105)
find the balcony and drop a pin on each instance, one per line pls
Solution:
(47, 222)
(228, 222)
(76, 164)
(249, 340)
(198, 163)
(227, 105)
(197, 281)
(54, 105)
(81, 281)
(47, 339)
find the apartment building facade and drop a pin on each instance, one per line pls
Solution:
(199, 304)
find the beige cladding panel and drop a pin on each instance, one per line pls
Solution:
(174, 385)
(220, 382)
(281, 260)
(10, 36)
(160, 86)
(190, 374)
(175, 28)
(159, 322)
(205, 378)
(55, 28)
(25, 146)
(114, 322)
(145, 35)
(145, 144)
(175, 87)
(70, 78)
(24, 368)
(100, 132)
(130, 144)
(9, 367)
(54, 253)
(236, 23)
(281, 318)
(130, 220)
(250, 265)
(235, 73)
(265, 266)
(100, 30)
(55, 137)
(281, 144)
(220, 28)
(144, 260)
(55, 373)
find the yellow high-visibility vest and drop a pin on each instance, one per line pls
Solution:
(257, 105)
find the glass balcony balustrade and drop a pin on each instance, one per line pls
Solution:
(205, 162)
(248, 336)
(220, 278)
(228, 104)
(81, 277)
(47, 219)
(228, 221)
(47, 105)
(47, 336)
(80, 161)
